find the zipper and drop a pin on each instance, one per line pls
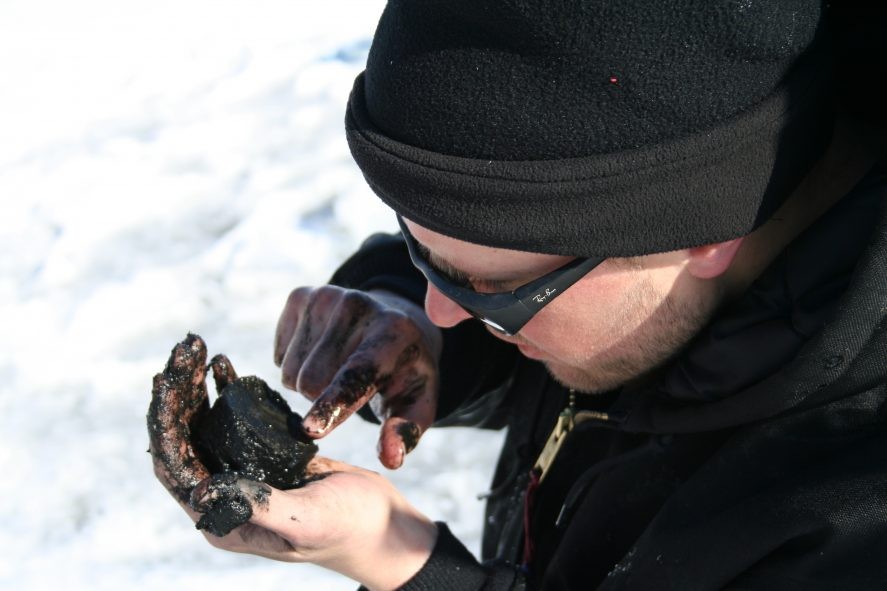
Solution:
(566, 422)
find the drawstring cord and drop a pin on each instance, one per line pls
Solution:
(568, 419)
(529, 499)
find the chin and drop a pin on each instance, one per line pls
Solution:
(578, 379)
(599, 378)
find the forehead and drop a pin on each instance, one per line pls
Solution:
(482, 261)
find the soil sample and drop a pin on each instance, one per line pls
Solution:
(251, 430)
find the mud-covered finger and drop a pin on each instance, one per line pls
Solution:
(321, 465)
(407, 416)
(179, 391)
(293, 310)
(227, 501)
(303, 517)
(178, 399)
(222, 370)
(310, 328)
(407, 407)
(411, 391)
(368, 370)
(344, 332)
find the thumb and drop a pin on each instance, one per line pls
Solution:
(307, 514)
(227, 501)
(406, 419)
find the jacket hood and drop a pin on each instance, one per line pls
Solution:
(811, 329)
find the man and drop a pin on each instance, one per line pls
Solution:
(677, 257)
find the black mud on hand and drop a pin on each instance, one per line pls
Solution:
(227, 501)
(409, 433)
(178, 400)
(223, 372)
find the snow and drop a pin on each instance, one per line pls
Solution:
(168, 167)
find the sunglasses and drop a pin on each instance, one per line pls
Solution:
(505, 312)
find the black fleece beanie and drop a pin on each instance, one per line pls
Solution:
(592, 128)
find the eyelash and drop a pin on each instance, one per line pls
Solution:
(475, 284)
(465, 281)
(461, 281)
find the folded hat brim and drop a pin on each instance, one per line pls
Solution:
(707, 187)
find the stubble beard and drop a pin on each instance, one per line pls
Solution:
(669, 327)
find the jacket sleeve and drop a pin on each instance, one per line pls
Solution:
(474, 365)
(452, 566)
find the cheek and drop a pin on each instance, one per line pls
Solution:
(591, 315)
(560, 327)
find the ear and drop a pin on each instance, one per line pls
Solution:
(711, 260)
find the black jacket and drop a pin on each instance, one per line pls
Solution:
(757, 459)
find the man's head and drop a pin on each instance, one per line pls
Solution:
(628, 315)
(518, 136)
(621, 319)
(592, 128)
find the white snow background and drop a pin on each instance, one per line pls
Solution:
(168, 167)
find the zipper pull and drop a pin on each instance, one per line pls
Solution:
(565, 423)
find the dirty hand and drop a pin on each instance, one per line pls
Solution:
(347, 519)
(351, 520)
(343, 348)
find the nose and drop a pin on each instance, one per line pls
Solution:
(441, 310)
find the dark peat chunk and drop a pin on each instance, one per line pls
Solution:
(251, 430)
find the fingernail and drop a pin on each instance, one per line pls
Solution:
(314, 425)
(310, 427)
(398, 460)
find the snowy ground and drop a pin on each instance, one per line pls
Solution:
(168, 167)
